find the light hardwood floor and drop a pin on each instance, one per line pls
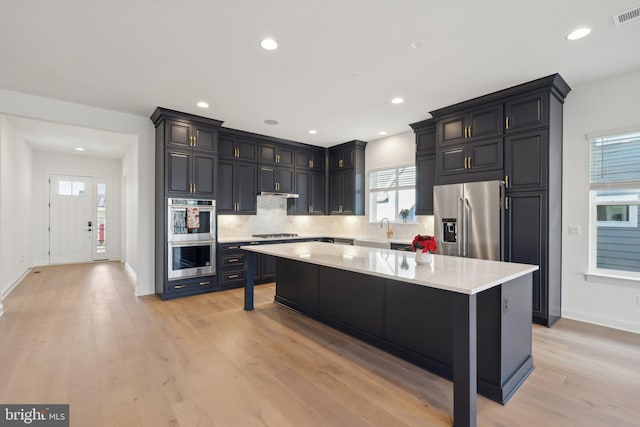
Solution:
(78, 335)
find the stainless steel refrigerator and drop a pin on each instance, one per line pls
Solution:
(469, 219)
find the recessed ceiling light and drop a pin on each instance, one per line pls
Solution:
(202, 104)
(397, 100)
(269, 44)
(382, 132)
(79, 149)
(415, 45)
(358, 74)
(271, 122)
(578, 33)
(313, 131)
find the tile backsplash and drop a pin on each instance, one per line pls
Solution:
(272, 217)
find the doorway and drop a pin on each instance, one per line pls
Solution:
(78, 219)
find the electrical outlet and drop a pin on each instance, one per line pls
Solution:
(574, 230)
(505, 304)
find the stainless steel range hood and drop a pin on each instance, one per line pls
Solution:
(278, 194)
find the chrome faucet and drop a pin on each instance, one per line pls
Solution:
(389, 231)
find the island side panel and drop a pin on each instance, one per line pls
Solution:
(297, 283)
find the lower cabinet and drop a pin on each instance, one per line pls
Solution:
(415, 322)
(185, 287)
(529, 241)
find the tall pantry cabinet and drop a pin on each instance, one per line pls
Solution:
(514, 135)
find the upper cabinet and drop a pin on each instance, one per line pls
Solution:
(237, 148)
(346, 178)
(186, 161)
(425, 165)
(526, 112)
(481, 122)
(310, 159)
(275, 154)
(183, 134)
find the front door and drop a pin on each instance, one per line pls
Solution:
(71, 219)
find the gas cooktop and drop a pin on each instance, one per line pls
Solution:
(274, 235)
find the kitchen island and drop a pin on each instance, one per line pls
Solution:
(465, 319)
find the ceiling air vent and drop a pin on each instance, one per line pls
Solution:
(626, 16)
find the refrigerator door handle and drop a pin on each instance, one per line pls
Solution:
(467, 215)
(461, 227)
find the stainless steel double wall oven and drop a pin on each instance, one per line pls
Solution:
(191, 238)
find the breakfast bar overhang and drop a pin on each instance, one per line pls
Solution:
(465, 319)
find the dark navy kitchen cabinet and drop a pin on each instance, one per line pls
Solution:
(238, 148)
(310, 159)
(276, 154)
(310, 187)
(185, 167)
(237, 187)
(275, 179)
(514, 135)
(346, 178)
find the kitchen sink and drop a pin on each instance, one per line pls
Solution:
(373, 243)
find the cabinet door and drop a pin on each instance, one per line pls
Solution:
(527, 112)
(526, 166)
(178, 172)
(300, 206)
(246, 188)
(341, 159)
(284, 156)
(284, 180)
(267, 178)
(348, 192)
(525, 228)
(268, 268)
(426, 141)
(486, 122)
(227, 147)
(204, 174)
(484, 155)
(451, 129)
(317, 161)
(226, 186)
(425, 180)
(178, 134)
(246, 150)
(316, 186)
(451, 161)
(205, 138)
(335, 192)
(266, 153)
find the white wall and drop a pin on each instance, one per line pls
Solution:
(130, 177)
(45, 164)
(607, 106)
(140, 175)
(16, 211)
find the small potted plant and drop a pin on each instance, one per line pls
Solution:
(423, 246)
(404, 214)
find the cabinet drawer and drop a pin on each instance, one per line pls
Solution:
(234, 277)
(203, 284)
(232, 260)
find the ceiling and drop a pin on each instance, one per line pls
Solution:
(338, 65)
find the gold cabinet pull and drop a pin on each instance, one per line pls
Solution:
(469, 131)
(233, 276)
(465, 131)
(506, 203)
(469, 162)
(180, 286)
(340, 163)
(506, 181)
(232, 260)
(465, 162)
(204, 283)
(310, 208)
(507, 124)
(194, 187)
(233, 247)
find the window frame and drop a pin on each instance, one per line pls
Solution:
(371, 214)
(594, 272)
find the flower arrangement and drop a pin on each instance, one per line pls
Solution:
(425, 243)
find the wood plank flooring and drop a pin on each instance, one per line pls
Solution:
(77, 334)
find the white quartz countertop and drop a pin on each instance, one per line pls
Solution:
(456, 274)
(240, 239)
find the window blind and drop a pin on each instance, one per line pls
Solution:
(393, 178)
(615, 159)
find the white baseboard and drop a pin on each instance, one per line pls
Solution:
(131, 272)
(15, 283)
(601, 320)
